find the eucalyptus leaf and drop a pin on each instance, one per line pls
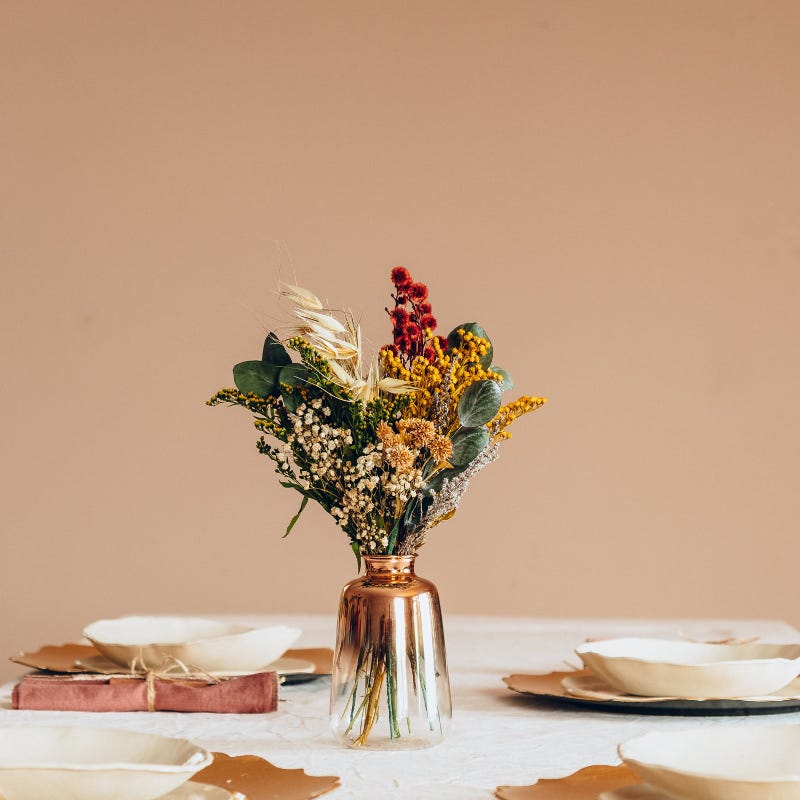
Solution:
(294, 376)
(256, 377)
(479, 403)
(274, 352)
(468, 443)
(508, 381)
(454, 339)
(435, 484)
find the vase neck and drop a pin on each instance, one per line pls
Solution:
(389, 569)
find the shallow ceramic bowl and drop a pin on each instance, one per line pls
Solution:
(720, 763)
(201, 791)
(74, 763)
(662, 668)
(198, 643)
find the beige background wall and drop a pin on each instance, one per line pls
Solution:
(611, 188)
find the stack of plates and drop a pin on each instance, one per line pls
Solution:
(217, 648)
(74, 763)
(657, 668)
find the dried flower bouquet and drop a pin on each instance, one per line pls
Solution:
(389, 449)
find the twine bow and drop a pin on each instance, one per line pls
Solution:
(170, 669)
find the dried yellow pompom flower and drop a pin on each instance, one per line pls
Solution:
(385, 433)
(441, 448)
(418, 432)
(399, 457)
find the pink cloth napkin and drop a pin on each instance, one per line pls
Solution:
(249, 694)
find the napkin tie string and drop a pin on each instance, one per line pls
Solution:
(170, 669)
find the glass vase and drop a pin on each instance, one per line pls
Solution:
(390, 688)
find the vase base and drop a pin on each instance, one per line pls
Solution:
(406, 743)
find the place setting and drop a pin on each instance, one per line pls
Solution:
(168, 664)
(661, 676)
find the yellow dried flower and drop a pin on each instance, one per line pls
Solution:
(418, 432)
(441, 448)
(399, 457)
(385, 433)
(508, 413)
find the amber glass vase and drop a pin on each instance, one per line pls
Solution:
(390, 688)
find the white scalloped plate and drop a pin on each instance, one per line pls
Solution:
(692, 670)
(641, 791)
(720, 763)
(200, 644)
(201, 791)
(87, 763)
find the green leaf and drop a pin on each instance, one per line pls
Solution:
(454, 339)
(414, 511)
(468, 443)
(293, 376)
(435, 484)
(255, 377)
(274, 352)
(356, 548)
(293, 520)
(393, 537)
(508, 381)
(479, 403)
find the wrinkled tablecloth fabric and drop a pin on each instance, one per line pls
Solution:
(498, 736)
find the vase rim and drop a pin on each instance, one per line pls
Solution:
(384, 557)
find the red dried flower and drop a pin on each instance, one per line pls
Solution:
(403, 342)
(430, 354)
(400, 278)
(443, 343)
(413, 330)
(424, 308)
(417, 291)
(428, 321)
(399, 316)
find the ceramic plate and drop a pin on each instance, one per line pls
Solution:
(200, 644)
(692, 670)
(77, 763)
(290, 670)
(640, 791)
(550, 688)
(729, 763)
(201, 791)
(591, 687)
(192, 791)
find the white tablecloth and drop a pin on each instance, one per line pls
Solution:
(498, 736)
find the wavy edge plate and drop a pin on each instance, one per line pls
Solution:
(192, 790)
(640, 791)
(547, 687)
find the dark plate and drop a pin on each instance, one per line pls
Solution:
(548, 688)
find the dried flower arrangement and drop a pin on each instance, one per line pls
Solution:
(386, 449)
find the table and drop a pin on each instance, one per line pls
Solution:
(498, 736)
